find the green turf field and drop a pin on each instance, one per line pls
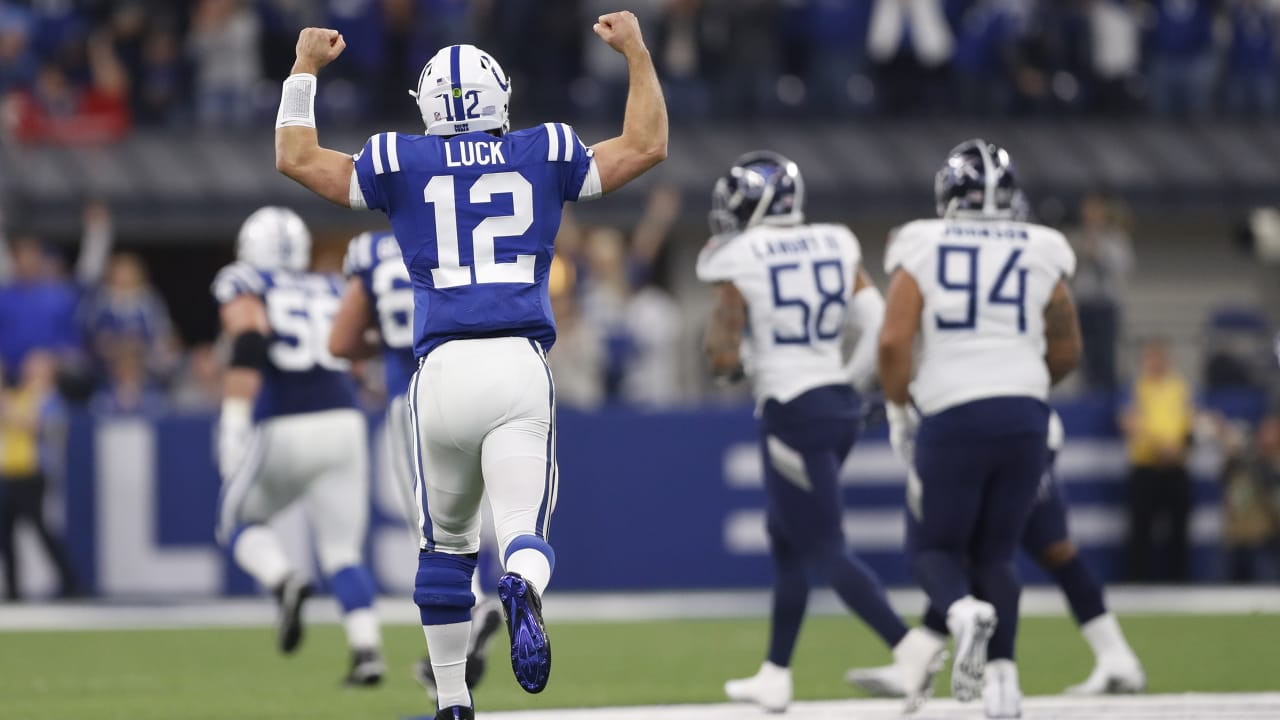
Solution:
(222, 674)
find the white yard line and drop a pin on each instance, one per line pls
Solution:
(604, 607)
(1144, 707)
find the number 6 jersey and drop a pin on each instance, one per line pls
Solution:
(985, 285)
(476, 218)
(797, 281)
(301, 376)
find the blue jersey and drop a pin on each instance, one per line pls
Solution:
(375, 259)
(476, 217)
(301, 376)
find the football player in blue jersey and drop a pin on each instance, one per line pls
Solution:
(475, 208)
(289, 432)
(379, 296)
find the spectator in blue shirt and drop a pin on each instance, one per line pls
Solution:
(1183, 65)
(1251, 62)
(17, 59)
(836, 35)
(38, 302)
(128, 390)
(128, 309)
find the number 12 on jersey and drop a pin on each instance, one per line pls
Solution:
(451, 272)
(951, 257)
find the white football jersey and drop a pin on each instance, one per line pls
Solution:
(797, 282)
(985, 285)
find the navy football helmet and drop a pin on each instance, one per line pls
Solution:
(978, 180)
(762, 187)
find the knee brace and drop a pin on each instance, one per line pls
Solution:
(442, 589)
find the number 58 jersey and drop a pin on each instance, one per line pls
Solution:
(985, 285)
(796, 281)
(476, 218)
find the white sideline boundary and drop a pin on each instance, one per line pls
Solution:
(606, 607)
(1140, 707)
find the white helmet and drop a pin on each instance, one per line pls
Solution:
(274, 238)
(463, 89)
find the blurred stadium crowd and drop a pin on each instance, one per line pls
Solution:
(90, 69)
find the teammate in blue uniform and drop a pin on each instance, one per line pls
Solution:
(475, 209)
(289, 432)
(379, 296)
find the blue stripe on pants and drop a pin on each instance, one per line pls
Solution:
(551, 479)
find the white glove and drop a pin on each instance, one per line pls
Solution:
(235, 435)
(903, 423)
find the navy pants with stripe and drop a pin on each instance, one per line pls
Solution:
(804, 443)
(979, 466)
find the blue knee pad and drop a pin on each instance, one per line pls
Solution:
(442, 589)
(530, 542)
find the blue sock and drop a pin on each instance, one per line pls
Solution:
(353, 587)
(935, 620)
(942, 576)
(998, 584)
(1083, 591)
(790, 598)
(861, 592)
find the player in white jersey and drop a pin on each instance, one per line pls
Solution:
(799, 288)
(987, 296)
(1045, 539)
(290, 432)
(475, 207)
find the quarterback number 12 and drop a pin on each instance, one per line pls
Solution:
(439, 193)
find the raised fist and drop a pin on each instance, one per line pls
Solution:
(621, 30)
(318, 47)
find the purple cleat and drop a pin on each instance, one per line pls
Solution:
(530, 647)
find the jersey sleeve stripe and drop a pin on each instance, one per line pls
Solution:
(568, 142)
(393, 152)
(377, 155)
(553, 143)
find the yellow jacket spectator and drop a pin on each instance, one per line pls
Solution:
(1157, 427)
(23, 413)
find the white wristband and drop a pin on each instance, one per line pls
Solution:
(297, 102)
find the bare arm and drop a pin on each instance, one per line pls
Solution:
(299, 156)
(643, 142)
(897, 336)
(354, 318)
(1062, 334)
(724, 334)
(243, 314)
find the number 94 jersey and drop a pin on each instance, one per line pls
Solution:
(797, 281)
(301, 376)
(476, 217)
(985, 285)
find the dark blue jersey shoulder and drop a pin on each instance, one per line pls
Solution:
(374, 259)
(476, 216)
(301, 376)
